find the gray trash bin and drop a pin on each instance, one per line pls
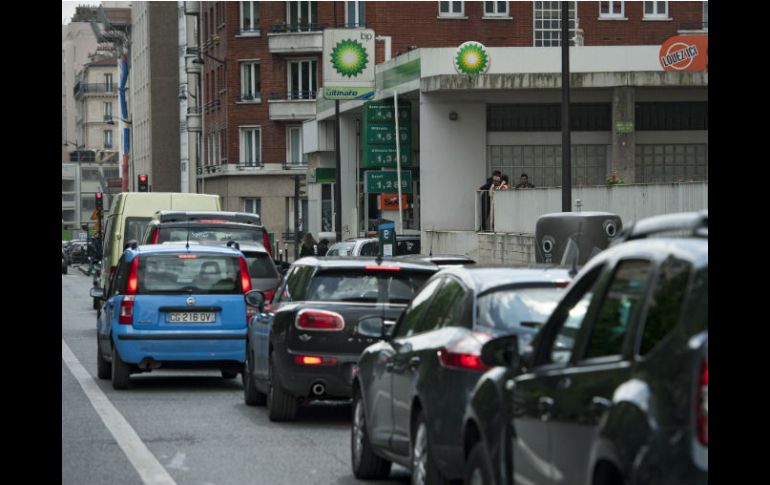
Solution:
(561, 235)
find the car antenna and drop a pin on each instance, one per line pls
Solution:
(573, 271)
(188, 234)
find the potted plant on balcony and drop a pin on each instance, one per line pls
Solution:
(613, 179)
(279, 25)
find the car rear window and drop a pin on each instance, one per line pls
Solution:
(260, 265)
(210, 233)
(507, 309)
(366, 286)
(342, 249)
(135, 227)
(188, 273)
(407, 247)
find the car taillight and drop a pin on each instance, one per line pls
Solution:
(155, 236)
(133, 280)
(382, 268)
(245, 278)
(702, 404)
(314, 360)
(266, 240)
(465, 354)
(127, 310)
(319, 320)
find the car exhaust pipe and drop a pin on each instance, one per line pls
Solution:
(318, 389)
(148, 363)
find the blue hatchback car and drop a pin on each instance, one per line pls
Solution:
(174, 306)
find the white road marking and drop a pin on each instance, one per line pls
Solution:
(149, 468)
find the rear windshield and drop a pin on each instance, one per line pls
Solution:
(188, 273)
(507, 309)
(200, 232)
(261, 266)
(342, 249)
(135, 227)
(366, 286)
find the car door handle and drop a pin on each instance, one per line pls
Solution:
(544, 407)
(414, 363)
(599, 404)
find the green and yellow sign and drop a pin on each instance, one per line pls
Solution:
(379, 134)
(386, 181)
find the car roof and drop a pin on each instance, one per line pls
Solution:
(167, 216)
(180, 247)
(483, 278)
(223, 223)
(341, 262)
(694, 250)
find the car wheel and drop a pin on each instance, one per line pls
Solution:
(281, 406)
(365, 463)
(478, 470)
(103, 368)
(120, 371)
(424, 469)
(251, 395)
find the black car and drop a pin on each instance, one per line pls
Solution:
(217, 227)
(411, 390)
(614, 389)
(320, 320)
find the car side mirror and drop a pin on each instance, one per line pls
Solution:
(97, 293)
(256, 299)
(371, 327)
(502, 351)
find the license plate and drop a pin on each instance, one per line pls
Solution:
(191, 317)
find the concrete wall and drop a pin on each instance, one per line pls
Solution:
(483, 248)
(518, 210)
(452, 161)
(348, 166)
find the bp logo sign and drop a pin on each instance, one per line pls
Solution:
(349, 58)
(472, 58)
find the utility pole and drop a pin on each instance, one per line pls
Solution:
(566, 166)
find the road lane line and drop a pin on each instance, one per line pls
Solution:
(149, 468)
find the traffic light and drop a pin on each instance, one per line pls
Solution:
(99, 201)
(143, 185)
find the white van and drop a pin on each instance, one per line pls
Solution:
(132, 211)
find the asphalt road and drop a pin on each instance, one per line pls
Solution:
(192, 425)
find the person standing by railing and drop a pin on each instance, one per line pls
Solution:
(492, 184)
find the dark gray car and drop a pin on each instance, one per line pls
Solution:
(410, 390)
(615, 387)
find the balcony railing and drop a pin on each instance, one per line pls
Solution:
(280, 27)
(97, 88)
(294, 95)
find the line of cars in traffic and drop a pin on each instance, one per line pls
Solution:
(488, 374)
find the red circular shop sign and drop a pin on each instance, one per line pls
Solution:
(685, 53)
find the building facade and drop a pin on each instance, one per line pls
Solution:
(263, 121)
(154, 96)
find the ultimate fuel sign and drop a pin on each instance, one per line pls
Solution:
(348, 63)
(685, 53)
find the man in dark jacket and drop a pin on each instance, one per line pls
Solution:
(492, 183)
